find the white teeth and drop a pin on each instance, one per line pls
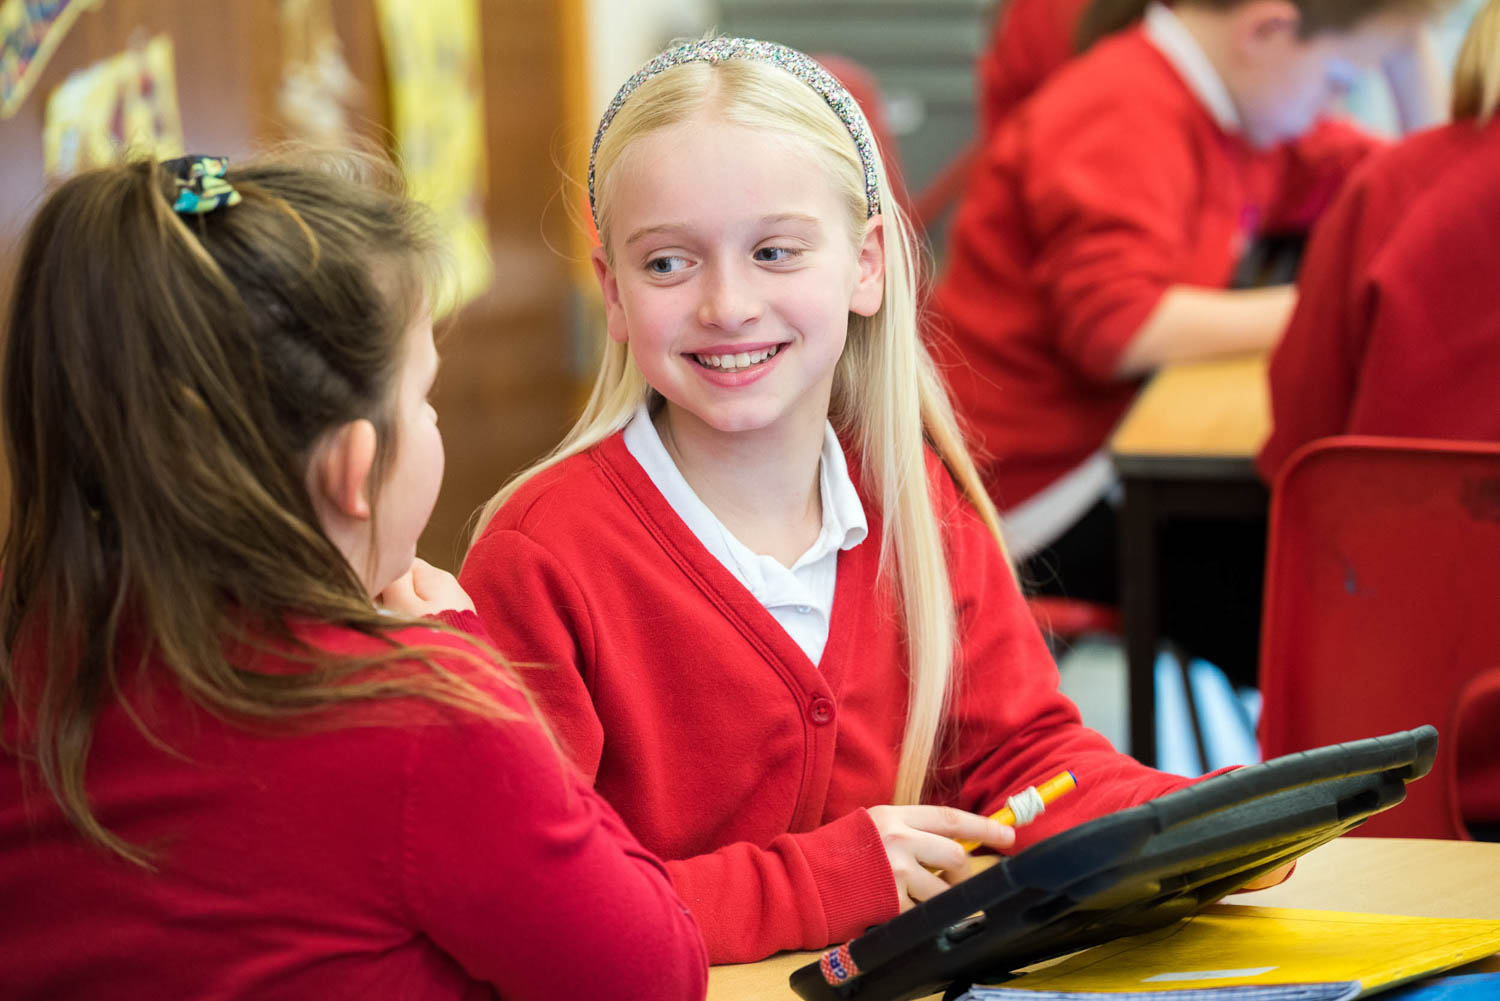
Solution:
(735, 362)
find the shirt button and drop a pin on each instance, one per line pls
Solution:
(804, 609)
(821, 711)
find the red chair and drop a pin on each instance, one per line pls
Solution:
(1382, 612)
(1067, 619)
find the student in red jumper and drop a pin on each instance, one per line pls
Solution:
(760, 578)
(1099, 234)
(1398, 328)
(237, 760)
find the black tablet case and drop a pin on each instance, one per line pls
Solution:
(1130, 871)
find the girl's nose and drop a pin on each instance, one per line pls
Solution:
(729, 301)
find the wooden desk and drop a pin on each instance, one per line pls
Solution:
(1186, 448)
(1440, 879)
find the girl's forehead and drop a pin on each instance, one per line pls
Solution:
(704, 165)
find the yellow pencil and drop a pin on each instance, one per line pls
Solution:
(1024, 807)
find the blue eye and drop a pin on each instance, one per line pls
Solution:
(665, 265)
(775, 255)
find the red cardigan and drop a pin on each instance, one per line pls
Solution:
(725, 749)
(1032, 38)
(419, 853)
(1398, 328)
(1109, 186)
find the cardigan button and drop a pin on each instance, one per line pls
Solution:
(821, 711)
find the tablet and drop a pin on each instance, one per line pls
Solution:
(1124, 873)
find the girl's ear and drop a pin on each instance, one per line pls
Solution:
(869, 284)
(614, 314)
(339, 476)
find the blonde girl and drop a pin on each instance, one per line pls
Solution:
(224, 770)
(777, 625)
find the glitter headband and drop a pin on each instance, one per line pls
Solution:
(804, 68)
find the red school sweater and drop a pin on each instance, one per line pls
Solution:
(413, 853)
(1110, 186)
(1397, 331)
(731, 755)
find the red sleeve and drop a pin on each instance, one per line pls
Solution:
(1315, 369)
(1311, 171)
(1011, 727)
(801, 891)
(537, 617)
(1108, 199)
(503, 845)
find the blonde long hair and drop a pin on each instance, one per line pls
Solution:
(1476, 81)
(888, 401)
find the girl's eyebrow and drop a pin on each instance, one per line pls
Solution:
(801, 217)
(680, 227)
(645, 231)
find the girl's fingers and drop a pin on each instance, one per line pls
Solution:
(923, 885)
(960, 825)
(436, 590)
(399, 593)
(425, 578)
(935, 852)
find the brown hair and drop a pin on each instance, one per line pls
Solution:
(1105, 17)
(1476, 79)
(165, 380)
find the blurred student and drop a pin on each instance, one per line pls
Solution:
(1034, 38)
(1398, 328)
(225, 770)
(1105, 221)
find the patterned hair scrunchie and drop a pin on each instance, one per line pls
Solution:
(201, 187)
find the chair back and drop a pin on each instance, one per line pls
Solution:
(1382, 612)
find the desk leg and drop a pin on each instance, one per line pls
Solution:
(1140, 604)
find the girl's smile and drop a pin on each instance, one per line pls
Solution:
(737, 365)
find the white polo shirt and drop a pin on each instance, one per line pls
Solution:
(800, 598)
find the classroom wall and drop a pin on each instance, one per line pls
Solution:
(510, 379)
(622, 36)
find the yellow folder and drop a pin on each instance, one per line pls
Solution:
(1229, 951)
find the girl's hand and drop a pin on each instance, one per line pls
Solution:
(920, 839)
(424, 590)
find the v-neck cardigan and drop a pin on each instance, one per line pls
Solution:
(730, 755)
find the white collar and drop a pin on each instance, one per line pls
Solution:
(844, 523)
(1172, 39)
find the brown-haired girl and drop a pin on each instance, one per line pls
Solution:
(227, 771)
